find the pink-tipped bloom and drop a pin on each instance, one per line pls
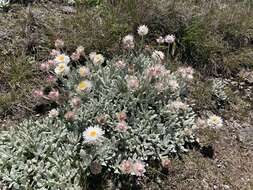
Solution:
(59, 43)
(44, 66)
(54, 95)
(70, 116)
(51, 63)
(122, 126)
(51, 79)
(55, 52)
(155, 71)
(132, 82)
(126, 166)
(75, 102)
(38, 93)
(139, 168)
(120, 64)
(75, 56)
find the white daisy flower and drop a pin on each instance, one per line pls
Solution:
(84, 71)
(142, 30)
(84, 86)
(215, 121)
(62, 69)
(62, 58)
(93, 134)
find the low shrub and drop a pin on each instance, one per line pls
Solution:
(112, 117)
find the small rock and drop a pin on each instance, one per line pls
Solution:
(68, 10)
(226, 187)
(246, 136)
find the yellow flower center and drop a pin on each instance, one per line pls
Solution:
(93, 133)
(83, 85)
(82, 71)
(60, 58)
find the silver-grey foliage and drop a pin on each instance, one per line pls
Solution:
(51, 153)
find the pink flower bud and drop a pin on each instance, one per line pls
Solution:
(53, 95)
(102, 119)
(120, 64)
(44, 67)
(59, 43)
(132, 82)
(126, 166)
(51, 79)
(122, 126)
(75, 56)
(166, 163)
(55, 52)
(51, 63)
(95, 168)
(38, 93)
(70, 116)
(139, 168)
(75, 102)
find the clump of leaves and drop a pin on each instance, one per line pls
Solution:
(134, 110)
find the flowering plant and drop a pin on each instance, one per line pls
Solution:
(120, 114)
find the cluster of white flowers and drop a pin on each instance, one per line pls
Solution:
(169, 39)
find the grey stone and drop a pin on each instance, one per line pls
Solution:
(68, 10)
(246, 136)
